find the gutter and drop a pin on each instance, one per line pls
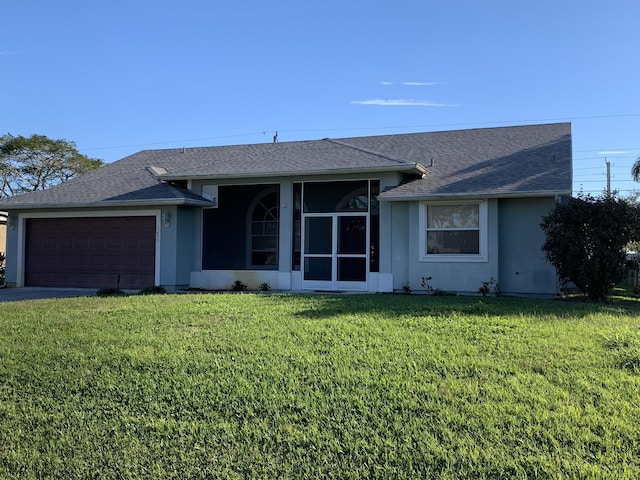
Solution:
(412, 167)
(114, 203)
(472, 195)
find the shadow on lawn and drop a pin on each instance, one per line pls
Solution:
(329, 305)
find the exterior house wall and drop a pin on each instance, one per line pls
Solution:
(524, 269)
(457, 276)
(177, 228)
(515, 259)
(398, 237)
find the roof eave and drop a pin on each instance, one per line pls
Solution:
(471, 195)
(114, 203)
(412, 168)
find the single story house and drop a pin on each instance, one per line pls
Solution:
(370, 214)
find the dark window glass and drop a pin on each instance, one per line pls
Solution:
(352, 269)
(327, 197)
(453, 229)
(297, 225)
(318, 235)
(265, 224)
(244, 213)
(374, 227)
(352, 235)
(466, 242)
(317, 268)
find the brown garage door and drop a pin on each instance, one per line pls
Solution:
(90, 252)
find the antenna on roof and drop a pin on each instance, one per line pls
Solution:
(275, 137)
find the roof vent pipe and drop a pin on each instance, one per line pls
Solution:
(275, 137)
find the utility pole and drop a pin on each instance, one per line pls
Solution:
(608, 176)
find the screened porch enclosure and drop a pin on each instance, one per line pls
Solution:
(242, 233)
(333, 228)
(338, 233)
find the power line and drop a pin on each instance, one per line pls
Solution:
(348, 129)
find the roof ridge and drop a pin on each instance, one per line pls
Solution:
(372, 152)
(253, 154)
(178, 192)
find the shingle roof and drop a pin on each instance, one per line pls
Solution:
(127, 181)
(274, 159)
(523, 160)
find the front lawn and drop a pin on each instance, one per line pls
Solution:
(318, 386)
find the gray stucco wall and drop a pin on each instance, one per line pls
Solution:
(524, 269)
(177, 247)
(459, 276)
(514, 256)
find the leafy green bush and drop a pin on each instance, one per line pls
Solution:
(586, 239)
(238, 286)
(489, 286)
(153, 290)
(110, 292)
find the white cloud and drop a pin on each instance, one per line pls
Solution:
(414, 84)
(402, 102)
(421, 84)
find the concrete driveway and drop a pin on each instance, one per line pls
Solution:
(31, 293)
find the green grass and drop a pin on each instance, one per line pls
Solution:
(318, 386)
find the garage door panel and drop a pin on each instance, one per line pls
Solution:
(80, 242)
(91, 252)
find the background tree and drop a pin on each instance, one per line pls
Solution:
(635, 170)
(586, 240)
(38, 162)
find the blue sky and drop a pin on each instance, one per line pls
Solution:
(122, 76)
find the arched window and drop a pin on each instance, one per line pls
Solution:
(356, 201)
(265, 229)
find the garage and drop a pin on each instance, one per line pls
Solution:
(91, 252)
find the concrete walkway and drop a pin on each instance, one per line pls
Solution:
(32, 293)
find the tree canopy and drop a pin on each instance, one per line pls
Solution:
(38, 162)
(635, 170)
(586, 240)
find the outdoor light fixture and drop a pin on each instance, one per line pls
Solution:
(166, 220)
(11, 223)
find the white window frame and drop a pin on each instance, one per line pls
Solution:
(482, 256)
